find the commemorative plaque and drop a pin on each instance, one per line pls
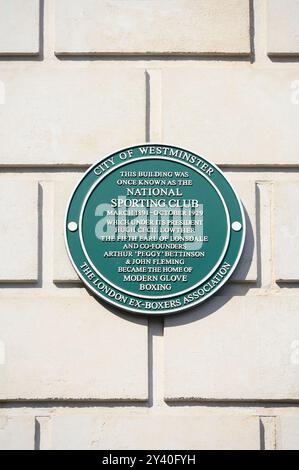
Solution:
(154, 229)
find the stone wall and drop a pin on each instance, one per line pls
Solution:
(82, 78)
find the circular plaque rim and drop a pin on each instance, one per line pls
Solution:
(167, 311)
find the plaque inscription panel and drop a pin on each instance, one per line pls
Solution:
(154, 229)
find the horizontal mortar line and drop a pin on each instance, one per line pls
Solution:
(278, 290)
(284, 56)
(27, 168)
(22, 58)
(19, 55)
(135, 56)
(126, 58)
(84, 402)
(259, 167)
(68, 284)
(30, 283)
(283, 402)
(43, 168)
(287, 285)
(69, 287)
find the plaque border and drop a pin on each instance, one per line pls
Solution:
(168, 311)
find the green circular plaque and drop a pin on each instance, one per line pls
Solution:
(154, 229)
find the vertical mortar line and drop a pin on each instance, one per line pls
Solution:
(147, 106)
(154, 106)
(252, 31)
(265, 234)
(258, 30)
(150, 362)
(49, 29)
(42, 434)
(258, 235)
(40, 236)
(272, 226)
(156, 362)
(262, 434)
(47, 234)
(41, 28)
(268, 432)
(273, 241)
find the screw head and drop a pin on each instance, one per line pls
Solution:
(72, 226)
(236, 226)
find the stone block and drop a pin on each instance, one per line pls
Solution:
(19, 27)
(288, 432)
(128, 431)
(286, 204)
(152, 27)
(282, 27)
(16, 432)
(71, 348)
(61, 115)
(237, 348)
(232, 115)
(19, 231)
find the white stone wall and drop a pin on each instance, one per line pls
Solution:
(81, 78)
